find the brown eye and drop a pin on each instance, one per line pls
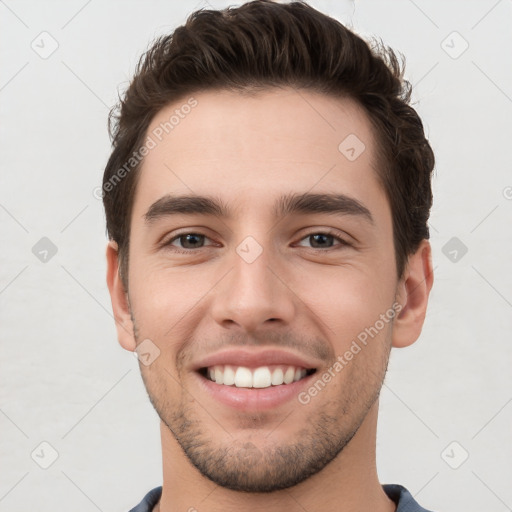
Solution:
(187, 242)
(191, 240)
(323, 240)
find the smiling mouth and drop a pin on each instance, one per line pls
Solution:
(256, 378)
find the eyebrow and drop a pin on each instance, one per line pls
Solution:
(285, 205)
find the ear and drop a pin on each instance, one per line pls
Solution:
(119, 298)
(412, 294)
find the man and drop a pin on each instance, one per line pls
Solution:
(267, 200)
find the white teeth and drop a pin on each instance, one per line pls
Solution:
(299, 374)
(229, 376)
(277, 377)
(219, 375)
(289, 375)
(243, 378)
(261, 377)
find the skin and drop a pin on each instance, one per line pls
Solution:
(299, 295)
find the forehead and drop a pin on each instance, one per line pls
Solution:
(242, 147)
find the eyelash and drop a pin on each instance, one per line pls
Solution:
(342, 242)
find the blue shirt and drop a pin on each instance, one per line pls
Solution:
(399, 494)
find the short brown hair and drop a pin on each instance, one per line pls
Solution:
(263, 44)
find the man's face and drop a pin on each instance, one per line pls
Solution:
(269, 286)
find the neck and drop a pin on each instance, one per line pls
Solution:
(349, 483)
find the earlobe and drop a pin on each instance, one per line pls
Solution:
(119, 298)
(412, 294)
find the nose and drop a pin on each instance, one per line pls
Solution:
(254, 295)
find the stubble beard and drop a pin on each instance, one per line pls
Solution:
(250, 463)
(238, 463)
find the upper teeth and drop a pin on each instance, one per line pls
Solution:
(262, 377)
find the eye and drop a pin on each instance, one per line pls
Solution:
(187, 241)
(324, 240)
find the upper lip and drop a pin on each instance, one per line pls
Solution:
(255, 359)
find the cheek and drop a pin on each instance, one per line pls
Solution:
(346, 301)
(166, 301)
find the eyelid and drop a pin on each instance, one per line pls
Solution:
(168, 241)
(326, 231)
(342, 242)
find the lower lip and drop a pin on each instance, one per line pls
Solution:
(254, 399)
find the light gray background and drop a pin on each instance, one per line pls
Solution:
(64, 379)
